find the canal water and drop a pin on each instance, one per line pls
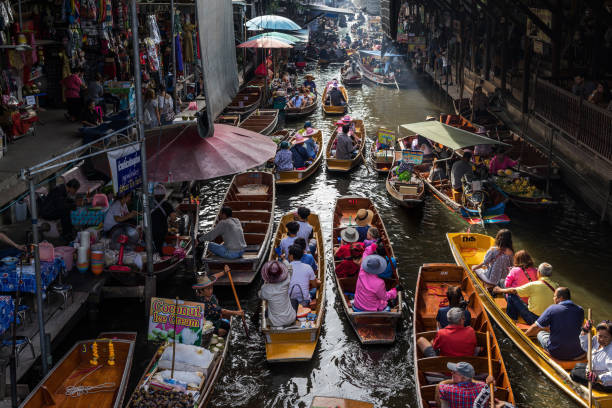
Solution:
(570, 238)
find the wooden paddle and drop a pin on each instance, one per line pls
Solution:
(491, 386)
(226, 269)
(589, 358)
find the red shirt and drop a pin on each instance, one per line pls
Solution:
(345, 250)
(455, 341)
(347, 268)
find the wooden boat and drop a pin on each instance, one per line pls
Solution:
(262, 121)
(432, 283)
(381, 160)
(297, 176)
(534, 162)
(370, 327)
(532, 201)
(407, 194)
(375, 78)
(354, 81)
(231, 120)
(296, 113)
(336, 402)
(207, 386)
(334, 110)
(246, 100)
(281, 135)
(334, 164)
(294, 343)
(251, 196)
(75, 369)
(469, 250)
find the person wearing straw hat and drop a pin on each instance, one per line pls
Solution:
(275, 290)
(461, 390)
(363, 219)
(299, 153)
(370, 292)
(348, 236)
(310, 83)
(212, 311)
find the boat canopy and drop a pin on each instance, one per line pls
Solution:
(449, 136)
(376, 53)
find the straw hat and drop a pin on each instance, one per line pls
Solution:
(204, 281)
(349, 234)
(364, 217)
(299, 139)
(310, 77)
(374, 264)
(274, 272)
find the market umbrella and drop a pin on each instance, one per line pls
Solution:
(281, 36)
(271, 22)
(180, 154)
(266, 42)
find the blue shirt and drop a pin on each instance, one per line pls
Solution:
(363, 232)
(565, 320)
(311, 147)
(300, 155)
(309, 260)
(285, 244)
(441, 317)
(388, 273)
(311, 85)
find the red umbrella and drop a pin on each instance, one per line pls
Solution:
(265, 42)
(180, 154)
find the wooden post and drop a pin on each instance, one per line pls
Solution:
(504, 55)
(487, 49)
(526, 74)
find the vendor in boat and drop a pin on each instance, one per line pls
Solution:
(345, 149)
(275, 291)
(402, 171)
(455, 340)
(537, 292)
(455, 299)
(558, 328)
(301, 158)
(461, 390)
(118, 213)
(284, 158)
(160, 214)
(460, 169)
(304, 283)
(312, 148)
(9, 248)
(57, 206)
(212, 311)
(350, 266)
(437, 172)
(370, 292)
(501, 162)
(230, 231)
(363, 219)
(348, 236)
(497, 260)
(601, 370)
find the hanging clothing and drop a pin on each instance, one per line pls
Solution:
(188, 53)
(179, 54)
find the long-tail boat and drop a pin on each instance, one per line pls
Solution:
(337, 165)
(299, 175)
(78, 380)
(382, 159)
(408, 194)
(331, 109)
(469, 250)
(296, 343)
(355, 80)
(432, 283)
(251, 196)
(246, 100)
(262, 121)
(370, 327)
(305, 110)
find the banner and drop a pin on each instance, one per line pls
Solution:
(412, 156)
(386, 137)
(126, 168)
(189, 321)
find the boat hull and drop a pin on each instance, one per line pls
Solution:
(262, 121)
(331, 109)
(289, 178)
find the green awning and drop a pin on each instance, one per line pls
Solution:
(449, 136)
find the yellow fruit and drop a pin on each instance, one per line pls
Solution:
(508, 172)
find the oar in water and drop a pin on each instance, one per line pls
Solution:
(226, 268)
(491, 386)
(589, 358)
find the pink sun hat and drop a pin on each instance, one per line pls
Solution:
(310, 131)
(299, 139)
(346, 118)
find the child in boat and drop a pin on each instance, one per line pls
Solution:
(212, 311)
(292, 230)
(371, 237)
(350, 266)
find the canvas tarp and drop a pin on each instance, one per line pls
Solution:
(449, 136)
(218, 52)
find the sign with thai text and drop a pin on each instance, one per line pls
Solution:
(386, 137)
(412, 156)
(126, 168)
(189, 321)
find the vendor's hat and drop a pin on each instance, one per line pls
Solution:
(374, 264)
(299, 139)
(311, 77)
(274, 272)
(462, 368)
(346, 118)
(159, 190)
(204, 281)
(349, 234)
(364, 217)
(310, 131)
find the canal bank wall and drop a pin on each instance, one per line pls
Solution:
(586, 174)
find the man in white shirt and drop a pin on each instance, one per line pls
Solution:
(303, 285)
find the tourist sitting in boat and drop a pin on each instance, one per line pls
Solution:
(297, 101)
(292, 230)
(522, 273)
(363, 219)
(310, 83)
(372, 237)
(118, 212)
(305, 231)
(307, 258)
(370, 292)
(160, 214)
(455, 340)
(230, 231)
(213, 312)
(284, 158)
(538, 294)
(437, 172)
(275, 290)
(336, 97)
(304, 283)
(455, 299)
(461, 390)
(309, 97)
(558, 328)
(500, 162)
(497, 261)
(350, 266)
(379, 249)
(601, 370)
(348, 236)
(301, 158)
(461, 168)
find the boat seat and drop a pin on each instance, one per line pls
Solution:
(500, 301)
(247, 257)
(438, 363)
(567, 364)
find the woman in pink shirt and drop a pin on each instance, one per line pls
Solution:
(523, 271)
(500, 162)
(72, 91)
(370, 292)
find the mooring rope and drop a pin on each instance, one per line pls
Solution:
(78, 390)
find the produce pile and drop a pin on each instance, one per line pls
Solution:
(520, 187)
(161, 398)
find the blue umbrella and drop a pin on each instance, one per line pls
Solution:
(271, 22)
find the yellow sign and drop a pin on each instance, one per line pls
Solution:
(386, 137)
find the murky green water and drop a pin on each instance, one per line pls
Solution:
(571, 239)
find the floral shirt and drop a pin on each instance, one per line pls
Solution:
(284, 160)
(212, 310)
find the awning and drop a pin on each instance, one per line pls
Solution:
(449, 136)
(282, 36)
(376, 53)
(327, 9)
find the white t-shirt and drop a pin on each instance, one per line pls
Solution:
(299, 287)
(116, 210)
(304, 231)
(285, 244)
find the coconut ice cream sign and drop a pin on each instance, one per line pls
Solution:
(189, 325)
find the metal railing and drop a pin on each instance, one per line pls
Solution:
(580, 121)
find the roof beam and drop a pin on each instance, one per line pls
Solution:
(536, 20)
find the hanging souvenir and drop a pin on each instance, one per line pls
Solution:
(177, 22)
(4, 18)
(188, 41)
(179, 53)
(152, 54)
(154, 34)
